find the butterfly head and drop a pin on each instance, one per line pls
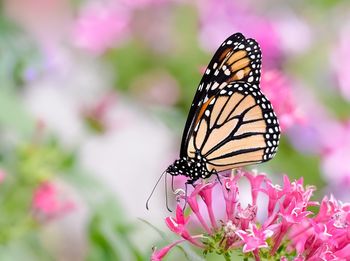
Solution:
(189, 167)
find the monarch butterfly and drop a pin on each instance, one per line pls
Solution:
(231, 123)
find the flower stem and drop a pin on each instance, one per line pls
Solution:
(256, 255)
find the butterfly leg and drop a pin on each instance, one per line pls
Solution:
(214, 172)
(184, 207)
(189, 182)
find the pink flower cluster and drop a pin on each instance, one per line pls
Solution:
(341, 62)
(237, 16)
(100, 27)
(289, 230)
(278, 88)
(48, 203)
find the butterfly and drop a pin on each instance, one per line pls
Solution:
(231, 123)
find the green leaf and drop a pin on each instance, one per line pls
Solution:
(161, 233)
(13, 116)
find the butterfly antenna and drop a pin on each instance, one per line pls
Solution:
(166, 193)
(154, 188)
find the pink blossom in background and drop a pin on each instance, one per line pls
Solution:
(336, 153)
(161, 28)
(49, 203)
(311, 135)
(100, 27)
(135, 4)
(295, 34)
(156, 88)
(340, 60)
(321, 134)
(232, 17)
(47, 20)
(98, 114)
(2, 175)
(289, 232)
(278, 89)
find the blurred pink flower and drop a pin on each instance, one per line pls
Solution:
(340, 60)
(100, 27)
(2, 175)
(156, 88)
(290, 227)
(321, 134)
(47, 20)
(231, 17)
(278, 89)
(336, 151)
(312, 135)
(294, 32)
(98, 115)
(144, 3)
(49, 203)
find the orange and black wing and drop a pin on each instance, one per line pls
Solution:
(237, 128)
(237, 60)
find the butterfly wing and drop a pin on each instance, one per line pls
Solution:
(238, 128)
(237, 59)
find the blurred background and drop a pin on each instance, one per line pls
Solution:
(94, 96)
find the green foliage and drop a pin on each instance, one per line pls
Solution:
(17, 52)
(183, 63)
(109, 235)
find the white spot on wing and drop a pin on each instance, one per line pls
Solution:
(223, 85)
(215, 85)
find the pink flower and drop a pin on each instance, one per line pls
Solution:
(294, 32)
(2, 176)
(289, 226)
(232, 16)
(230, 192)
(47, 202)
(178, 226)
(158, 255)
(255, 183)
(98, 115)
(100, 27)
(341, 61)
(254, 238)
(144, 3)
(336, 149)
(156, 88)
(278, 88)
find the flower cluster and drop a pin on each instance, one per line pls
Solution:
(48, 203)
(278, 88)
(284, 228)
